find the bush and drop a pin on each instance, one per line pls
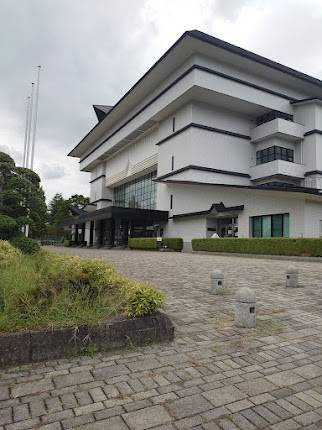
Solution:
(141, 299)
(265, 246)
(8, 253)
(52, 290)
(67, 242)
(26, 245)
(8, 227)
(148, 243)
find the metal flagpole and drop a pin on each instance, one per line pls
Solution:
(29, 125)
(26, 132)
(35, 121)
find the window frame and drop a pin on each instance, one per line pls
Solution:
(285, 232)
(272, 153)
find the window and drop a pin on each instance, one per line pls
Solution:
(172, 162)
(270, 225)
(274, 153)
(140, 193)
(273, 115)
(171, 201)
(173, 124)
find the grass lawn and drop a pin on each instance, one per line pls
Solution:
(50, 290)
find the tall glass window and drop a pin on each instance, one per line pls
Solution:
(140, 193)
(271, 225)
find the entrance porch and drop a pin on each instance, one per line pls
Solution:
(112, 226)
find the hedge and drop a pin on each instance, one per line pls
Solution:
(265, 246)
(175, 243)
(143, 243)
(26, 245)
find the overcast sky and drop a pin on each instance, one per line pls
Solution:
(93, 51)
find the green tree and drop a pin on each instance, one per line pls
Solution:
(78, 200)
(59, 209)
(21, 196)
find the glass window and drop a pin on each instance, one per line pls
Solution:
(274, 153)
(286, 225)
(140, 193)
(277, 225)
(257, 226)
(271, 225)
(267, 224)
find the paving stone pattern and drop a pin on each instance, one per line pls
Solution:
(213, 376)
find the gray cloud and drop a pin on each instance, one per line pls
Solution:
(93, 51)
(52, 171)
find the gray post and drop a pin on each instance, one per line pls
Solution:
(292, 277)
(245, 310)
(216, 282)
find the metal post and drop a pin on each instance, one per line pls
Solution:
(29, 125)
(26, 133)
(35, 121)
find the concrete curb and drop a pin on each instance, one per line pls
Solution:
(259, 256)
(36, 345)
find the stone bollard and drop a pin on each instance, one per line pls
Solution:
(292, 277)
(245, 311)
(217, 282)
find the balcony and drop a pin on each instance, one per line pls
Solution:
(277, 167)
(277, 128)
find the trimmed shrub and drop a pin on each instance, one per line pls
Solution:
(8, 253)
(8, 227)
(26, 245)
(141, 299)
(264, 246)
(175, 243)
(67, 242)
(143, 243)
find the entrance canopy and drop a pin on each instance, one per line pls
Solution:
(133, 215)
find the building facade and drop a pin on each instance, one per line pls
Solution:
(213, 139)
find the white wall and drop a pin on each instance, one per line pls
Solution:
(313, 218)
(187, 228)
(206, 148)
(193, 198)
(98, 189)
(183, 116)
(218, 117)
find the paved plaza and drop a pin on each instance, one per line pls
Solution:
(213, 376)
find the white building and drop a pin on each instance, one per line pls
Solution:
(213, 138)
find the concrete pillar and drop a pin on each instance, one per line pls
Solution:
(216, 282)
(245, 310)
(87, 232)
(292, 277)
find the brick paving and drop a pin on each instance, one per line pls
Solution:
(213, 376)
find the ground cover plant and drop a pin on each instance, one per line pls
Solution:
(45, 289)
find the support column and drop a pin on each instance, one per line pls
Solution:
(87, 232)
